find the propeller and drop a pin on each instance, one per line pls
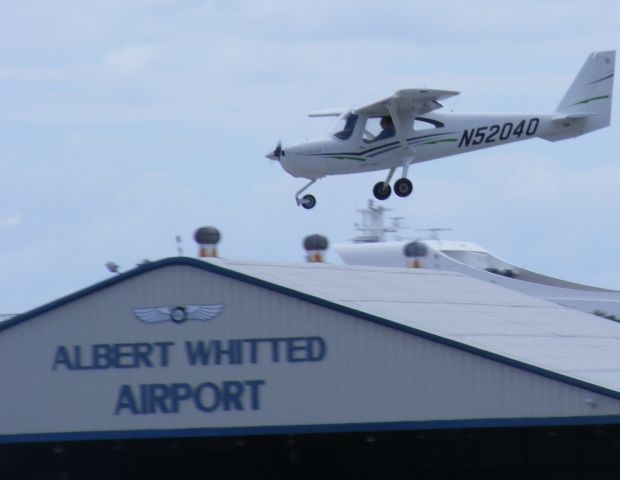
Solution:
(277, 152)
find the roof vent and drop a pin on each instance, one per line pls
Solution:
(413, 251)
(207, 239)
(315, 245)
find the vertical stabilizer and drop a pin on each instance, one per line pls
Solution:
(589, 96)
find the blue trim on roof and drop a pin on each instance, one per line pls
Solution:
(321, 428)
(218, 270)
(96, 288)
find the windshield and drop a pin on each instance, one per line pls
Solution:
(345, 126)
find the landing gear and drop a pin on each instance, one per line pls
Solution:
(382, 190)
(403, 187)
(308, 201)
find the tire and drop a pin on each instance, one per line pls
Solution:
(403, 187)
(382, 190)
(308, 202)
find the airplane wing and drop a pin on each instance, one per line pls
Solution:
(330, 112)
(417, 100)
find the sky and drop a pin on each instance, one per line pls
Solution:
(124, 123)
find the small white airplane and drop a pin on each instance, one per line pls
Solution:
(401, 130)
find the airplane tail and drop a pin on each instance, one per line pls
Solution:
(586, 105)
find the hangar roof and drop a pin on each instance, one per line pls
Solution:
(465, 310)
(447, 307)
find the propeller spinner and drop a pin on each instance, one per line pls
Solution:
(277, 153)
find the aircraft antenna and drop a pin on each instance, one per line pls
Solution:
(179, 241)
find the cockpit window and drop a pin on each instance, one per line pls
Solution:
(379, 128)
(423, 123)
(344, 132)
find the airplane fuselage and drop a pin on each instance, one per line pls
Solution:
(452, 135)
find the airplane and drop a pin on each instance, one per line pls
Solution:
(387, 134)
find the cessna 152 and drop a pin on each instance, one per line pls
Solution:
(357, 145)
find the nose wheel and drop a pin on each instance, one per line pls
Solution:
(308, 202)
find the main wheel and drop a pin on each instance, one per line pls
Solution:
(308, 202)
(403, 187)
(382, 190)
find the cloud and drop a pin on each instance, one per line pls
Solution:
(11, 220)
(221, 61)
(131, 59)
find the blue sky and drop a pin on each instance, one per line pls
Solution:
(124, 123)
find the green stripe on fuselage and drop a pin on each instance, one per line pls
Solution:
(433, 142)
(347, 157)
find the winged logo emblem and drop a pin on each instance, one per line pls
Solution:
(178, 314)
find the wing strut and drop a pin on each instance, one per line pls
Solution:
(408, 155)
(400, 131)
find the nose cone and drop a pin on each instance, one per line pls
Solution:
(277, 152)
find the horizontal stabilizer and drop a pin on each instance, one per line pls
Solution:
(573, 116)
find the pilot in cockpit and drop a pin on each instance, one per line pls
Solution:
(388, 130)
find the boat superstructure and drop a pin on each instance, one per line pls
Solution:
(372, 248)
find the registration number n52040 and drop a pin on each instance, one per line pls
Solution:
(495, 133)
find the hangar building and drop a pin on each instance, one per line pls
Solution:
(185, 368)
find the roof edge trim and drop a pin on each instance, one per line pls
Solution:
(318, 428)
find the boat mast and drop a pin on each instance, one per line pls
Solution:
(373, 228)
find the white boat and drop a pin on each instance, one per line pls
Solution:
(372, 248)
